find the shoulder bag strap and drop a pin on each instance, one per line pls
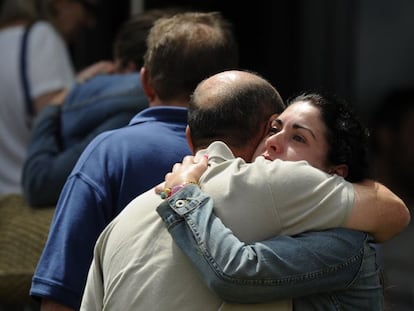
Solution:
(24, 73)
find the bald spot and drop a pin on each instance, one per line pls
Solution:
(212, 90)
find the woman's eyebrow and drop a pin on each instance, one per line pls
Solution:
(298, 126)
(278, 121)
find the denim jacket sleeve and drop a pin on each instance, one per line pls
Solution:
(48, 165)
(279, 268)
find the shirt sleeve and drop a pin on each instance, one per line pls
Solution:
(279, 268)
(48, 165)
(49, 63)
(304, 197)
(58, 275)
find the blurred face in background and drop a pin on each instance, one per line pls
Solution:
(71, 16)
(398, 148)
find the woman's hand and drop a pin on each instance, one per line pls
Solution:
(189, 171)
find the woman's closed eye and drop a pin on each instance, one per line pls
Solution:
(273, 130)
(299, 139)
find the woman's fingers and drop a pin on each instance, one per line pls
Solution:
(187, 171)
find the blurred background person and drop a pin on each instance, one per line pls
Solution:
(393, 165)
(105, 102)
(70, 17)
(34, 66)
(392, 143)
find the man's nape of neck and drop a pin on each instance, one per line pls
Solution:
(176, 102)
(246, 152)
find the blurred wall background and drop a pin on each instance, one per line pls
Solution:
(359, 49)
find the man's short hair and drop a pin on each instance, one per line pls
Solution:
(130, 42)
(186, 48)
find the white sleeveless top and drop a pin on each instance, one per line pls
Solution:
(49, 68)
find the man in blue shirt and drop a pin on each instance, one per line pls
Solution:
(119, 165)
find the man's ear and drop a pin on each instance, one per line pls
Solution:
(146, 85)
(269, 125)
(271, 119)
(274, 117)
(341, 170)
(189, 140)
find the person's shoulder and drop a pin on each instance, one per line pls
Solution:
(107, 138)
(143, 203)
(104, 148)
(136, 138)
(43, 28)
(104, 85)
(160, 118)
(221, 150)
(280, 164)
(110, 78)
(45, 40)
(292, 170)
(142, 210)
(103, 143)
(118, 140)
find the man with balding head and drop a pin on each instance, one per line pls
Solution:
(137, 265)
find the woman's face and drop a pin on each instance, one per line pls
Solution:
(297, 134)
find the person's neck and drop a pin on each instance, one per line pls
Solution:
(245, 153)
(173, 103)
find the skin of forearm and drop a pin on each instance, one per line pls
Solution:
(49, 305)
(377, 210)
(52, 98)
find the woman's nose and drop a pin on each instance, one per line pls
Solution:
(274, 143)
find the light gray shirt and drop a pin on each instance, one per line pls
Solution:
(137, 265)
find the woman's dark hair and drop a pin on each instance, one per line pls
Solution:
(346, 136)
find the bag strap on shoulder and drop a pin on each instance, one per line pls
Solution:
(24, 72)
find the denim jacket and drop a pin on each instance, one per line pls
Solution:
(61, 133)
(96, 101)
(326, 270)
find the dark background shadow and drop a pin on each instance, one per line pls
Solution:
(358, 49)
